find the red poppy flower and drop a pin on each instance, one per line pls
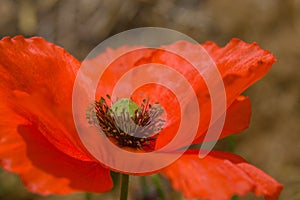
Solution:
(40, 143)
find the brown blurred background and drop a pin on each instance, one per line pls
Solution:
(272, 142)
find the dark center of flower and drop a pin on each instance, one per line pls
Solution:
(129, 124)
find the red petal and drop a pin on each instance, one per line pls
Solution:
(156, 93)
(238, 117)
(43, 168)
(38, 139)
(37, 84)
(265, 185)
(219, 176)
(240, 64)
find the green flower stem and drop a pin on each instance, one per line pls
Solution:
(88, 196)
(144, 185)
(124, 187)
(231, 143)
(234, 198)
(156, 181)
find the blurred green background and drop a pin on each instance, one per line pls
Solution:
(272, 142)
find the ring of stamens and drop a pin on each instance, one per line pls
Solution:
(138, 130)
